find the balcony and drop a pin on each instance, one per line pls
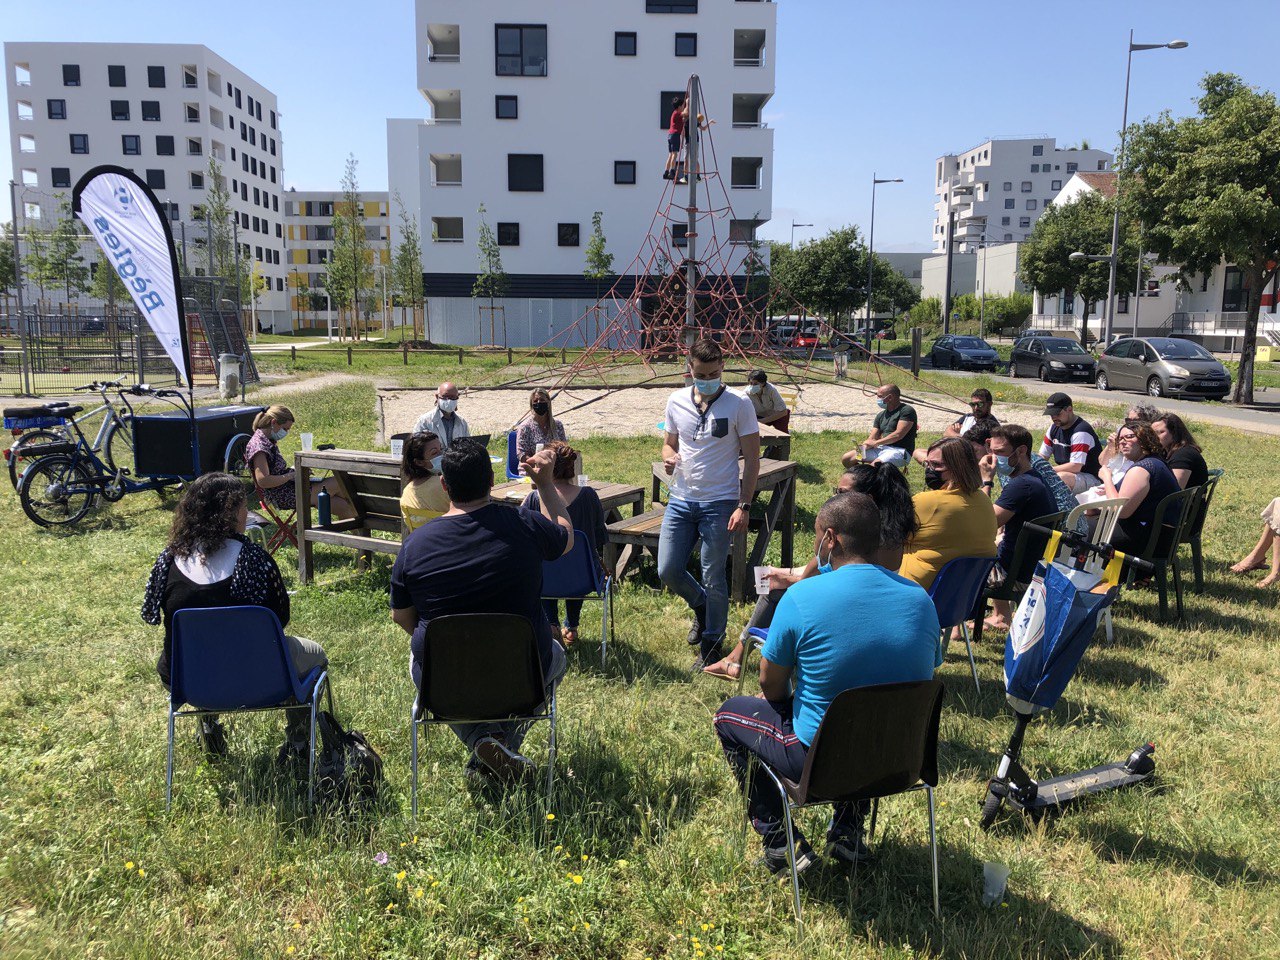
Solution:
(22, 74)
(748, 109)
(446, 230)
(446, 106)
(745, 173)
(25, 111)
(748, 48)
(444, 44)
(26, 143)
(446, 169)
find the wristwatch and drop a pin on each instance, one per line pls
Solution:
(745, 507)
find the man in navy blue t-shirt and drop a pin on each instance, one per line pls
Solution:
(814, 640)
(482, 557)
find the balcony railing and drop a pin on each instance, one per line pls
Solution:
(750, 125)
(444, 58)
(446, 239)
(1218, 323)
(749, 61)
(441, 121)
(446, 183)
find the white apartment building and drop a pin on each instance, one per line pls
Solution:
(1002, 187)
(546, 112)
(160, 110)
(308, 227)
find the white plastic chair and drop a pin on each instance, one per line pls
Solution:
(1108, 515)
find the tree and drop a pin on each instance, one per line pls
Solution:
(350, 270)
(8, 264)
(599, 259)
(37, 265)
(891, 292)
(1207, 189)
(221, 232)
(66, 263)
(926, 313)
(107, 285)
(1083, 225)
(406, 265)
(1010, 312)
(492, 280)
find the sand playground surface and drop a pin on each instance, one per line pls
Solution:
(633, 411)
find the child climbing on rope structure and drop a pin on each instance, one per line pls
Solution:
(675, 135)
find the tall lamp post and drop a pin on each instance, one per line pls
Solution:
(1115, 219)
(793, 231)
(952, 190)
(871, 246)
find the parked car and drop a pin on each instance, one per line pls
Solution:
(1163, 367)
(962, 353)
(1051, 358)
(805, 339)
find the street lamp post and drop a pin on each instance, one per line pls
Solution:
(1115, 219)
(793, 231)
(871, 246)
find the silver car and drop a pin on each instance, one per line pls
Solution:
(1163, 367)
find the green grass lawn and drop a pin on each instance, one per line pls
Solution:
(642, 858)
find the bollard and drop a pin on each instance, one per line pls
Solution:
(459, 356)
(293, 354)
(563, 359)
(405, 347)
(917, 335)
(348, 356)
(508, 356)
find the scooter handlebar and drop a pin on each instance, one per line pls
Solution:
(1076, 542)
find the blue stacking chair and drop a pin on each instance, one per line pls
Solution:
(955, 593)
(578, 576)
(513, 460)
(235, 660)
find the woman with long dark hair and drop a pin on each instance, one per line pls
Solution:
(539, 428)
(1182, 453)
(208, 562)
(423, 497)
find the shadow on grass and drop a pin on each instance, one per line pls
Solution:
(1120, 845)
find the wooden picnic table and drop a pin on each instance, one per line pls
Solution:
(777, 478)
(613, 496)
(370, 482)
(775, 444)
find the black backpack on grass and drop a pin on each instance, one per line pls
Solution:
(348, 769)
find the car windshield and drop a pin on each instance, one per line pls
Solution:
(971, 343)
(1180, 350)
(1063, 346)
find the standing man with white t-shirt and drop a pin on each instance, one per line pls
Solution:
(707, 428)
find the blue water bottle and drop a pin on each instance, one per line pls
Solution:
(322, 507)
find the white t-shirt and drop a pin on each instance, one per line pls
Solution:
(709, 444)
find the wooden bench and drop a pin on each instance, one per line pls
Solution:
(631, 536)
(371, 483)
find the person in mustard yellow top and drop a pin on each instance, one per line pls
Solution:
(956, 519)
(423, 496)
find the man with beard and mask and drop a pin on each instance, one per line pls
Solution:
(707, 428)
(443, 419)
(955, 516)
(893, 434)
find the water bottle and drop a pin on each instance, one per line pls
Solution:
(322, 507)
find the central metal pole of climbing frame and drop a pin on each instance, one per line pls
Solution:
(691, 234)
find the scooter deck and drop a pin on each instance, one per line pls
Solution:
(1059, 791)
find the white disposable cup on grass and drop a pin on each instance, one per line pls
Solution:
(397, 448)
(995, 877)
(307, 439)
(762, 581)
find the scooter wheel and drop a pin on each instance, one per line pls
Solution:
(990, 809)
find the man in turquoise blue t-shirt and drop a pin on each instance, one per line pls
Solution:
(815, 641)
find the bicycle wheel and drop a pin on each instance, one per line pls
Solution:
(117, 448)
(57, 491)
(27, 449)
(233, 461)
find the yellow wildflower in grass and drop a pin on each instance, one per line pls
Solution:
(526, 920)
(519, 899)
(551, 816)
(622, 864)
(141, 872)
(129, 865)
(435, 883)
(557, 848)
(719, 948)
(577, 878)
(391, 906)
(585, 925)
(706, 927)
(297, 924)
(290, 949)
(401, 875)
(418, 893)
(585, 858)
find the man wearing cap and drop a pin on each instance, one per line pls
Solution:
(1071, 445)
(770, 407)
(443, 419)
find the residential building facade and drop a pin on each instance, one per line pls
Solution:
(162, 111)
(546, 113)
(1003, 186)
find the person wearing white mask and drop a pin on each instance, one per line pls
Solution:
(271, 471)
(1023, 497)
(893, 435)
(768, 403)
(423, 496)
(443, 419)
(707, 427)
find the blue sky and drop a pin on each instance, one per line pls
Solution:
(861, 86)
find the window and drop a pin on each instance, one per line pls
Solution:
(506, 108)
(745, 173)
(520, 50)
(742, 231)
(155, 179)
(1026, 186)
(508, 234)
(151, 110)
(1038, 150)
(1056, 185)
(239, 102)
(155, 76)
(1009, 204)
(1102, 164)
(567, 234)
(679, 234)
(71, 74)
(1004, 221)
(524, 172)
(1023, 222)
(686, 44)
(624, 171)
(1031, 204)
(273, 146)
(131, 144)
(164, 146)
(196, 180)
(1008, 186)
(193, 112)
(446, 229)
(60, 176)
(189, 80)
(57, 109)
(119, 109)
(624, 44)
(1035, 168)
(671, 6)
(194, 147)
(250, 101)
(273, 126)
(1071, 168)
(26, 143)
(666, 104)
(115, 76)
(1008, 237)
(79, 143)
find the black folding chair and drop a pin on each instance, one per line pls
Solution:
(1161, 549)
(481, 668)
(1192, 529)
(873, 742)
(1028, 544)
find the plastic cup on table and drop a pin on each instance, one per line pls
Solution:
(583, 480)
(307, 440)
(397, 448)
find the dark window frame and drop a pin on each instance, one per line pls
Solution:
(686, 37)
(503, 98)
(507, 234)
(60, 113)
(120, 110)
(137, 144)
(568, 234)
(516, 175)
(112, 75)
(671, 6)
(155, 179)
(619, 36)
(84, 137)
(522, 71)
(60, 177)
(619, 173)
(151, 107)
(164, 145)
(152, 74)
(71, 74)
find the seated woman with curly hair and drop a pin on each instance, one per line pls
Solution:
(209, 563)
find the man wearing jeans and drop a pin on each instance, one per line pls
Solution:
(707, 428)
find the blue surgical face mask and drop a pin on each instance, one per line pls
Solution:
(822, 567)
(881, 404)
(278, 435)
(707, 387)
(1003, 466)
(436, 463)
